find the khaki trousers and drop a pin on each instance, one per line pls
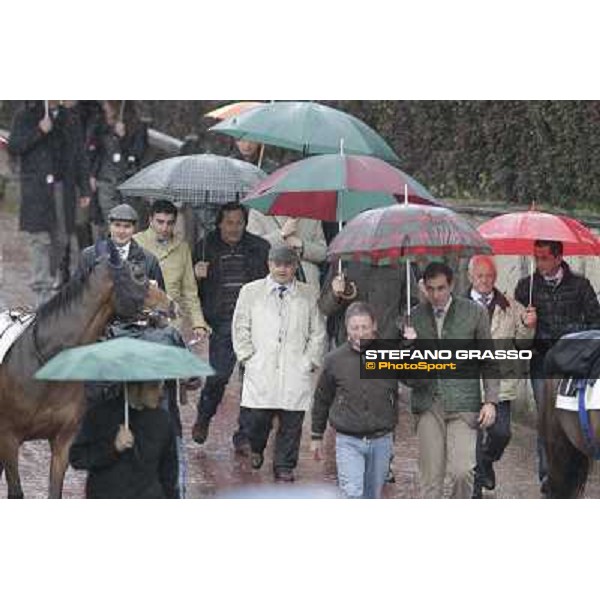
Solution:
(446, 447)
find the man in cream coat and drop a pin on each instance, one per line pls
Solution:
(279, 338)
(514, 325)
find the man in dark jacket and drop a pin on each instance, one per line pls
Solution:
(230, 258)
(54, 177)
(564, 303)
(117, 143)
(363, 412)
(122, 221)
(135, 462)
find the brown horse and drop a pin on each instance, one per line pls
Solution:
(32, 409)
(569, 456)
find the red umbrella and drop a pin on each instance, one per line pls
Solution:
(515, 234)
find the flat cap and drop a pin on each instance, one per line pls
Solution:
(283, 254)
(123, 212)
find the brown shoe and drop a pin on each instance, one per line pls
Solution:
(200, 431)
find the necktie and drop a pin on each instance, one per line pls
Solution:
(485, 299)
(123, 253)
(438, 312)
(281, 289)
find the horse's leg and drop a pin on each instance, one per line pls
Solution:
(568, 467)
(10, 459)
(58, 464)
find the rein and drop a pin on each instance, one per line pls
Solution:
(36, 345)
(42, 358)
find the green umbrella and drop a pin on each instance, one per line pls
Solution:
(307, 127)
(124, 359)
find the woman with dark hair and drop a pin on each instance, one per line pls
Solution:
(117, 144)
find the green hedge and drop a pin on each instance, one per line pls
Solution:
(496, 150)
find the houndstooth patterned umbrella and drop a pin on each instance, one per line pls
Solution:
(194, 179)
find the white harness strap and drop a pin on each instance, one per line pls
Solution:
(12, 325)
(570, 401)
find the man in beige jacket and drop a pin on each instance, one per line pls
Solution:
(515, 325)
(278, 336)
(175, 261)
(305, 236)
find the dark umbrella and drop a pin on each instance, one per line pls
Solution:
(398, 233)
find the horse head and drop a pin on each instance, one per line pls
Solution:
(133, 292)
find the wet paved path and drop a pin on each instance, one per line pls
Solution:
(213, 467)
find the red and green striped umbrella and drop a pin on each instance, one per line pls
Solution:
(406, 231)
(334, 187)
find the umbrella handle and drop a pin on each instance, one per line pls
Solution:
(260, 156)
(531, 270)
(340, 259)
(46, 109)
(408, 292)
(126, 408)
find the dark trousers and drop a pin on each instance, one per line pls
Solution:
(287, 439)
(492, 442)
(222, 358)
(538, 383)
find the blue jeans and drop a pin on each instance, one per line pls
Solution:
(362, 464)
(538, 381)
(182, 462)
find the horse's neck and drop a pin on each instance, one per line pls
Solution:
(80, 321)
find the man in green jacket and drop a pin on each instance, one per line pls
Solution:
(449, 411)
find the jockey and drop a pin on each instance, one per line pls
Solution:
(122, 221)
